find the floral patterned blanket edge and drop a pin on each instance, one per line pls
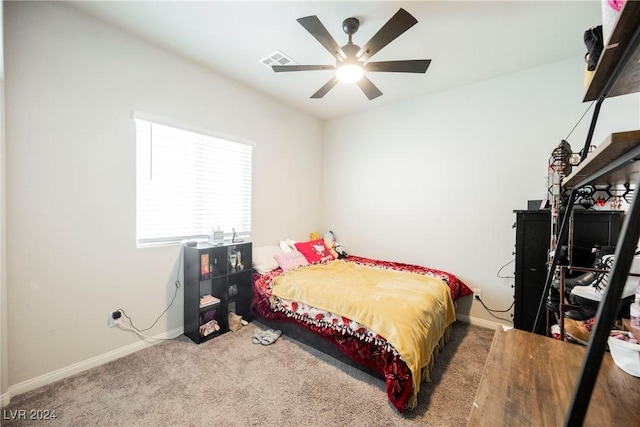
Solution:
(357, 342)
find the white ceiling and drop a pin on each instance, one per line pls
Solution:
(467, 41)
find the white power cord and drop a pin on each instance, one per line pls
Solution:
(120, 324)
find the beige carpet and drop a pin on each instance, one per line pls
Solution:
(229, 381)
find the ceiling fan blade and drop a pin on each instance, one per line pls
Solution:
(368, 88)
(326, 88)
(282, 68)
(407, 66)
(317, 30)
(394, 27)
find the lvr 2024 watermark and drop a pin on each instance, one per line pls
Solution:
(29, 414)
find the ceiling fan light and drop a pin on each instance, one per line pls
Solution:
(349, 73)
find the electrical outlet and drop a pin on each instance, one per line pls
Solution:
(114, 318)
(477, 293)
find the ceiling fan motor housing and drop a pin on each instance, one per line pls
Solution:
(350, 26)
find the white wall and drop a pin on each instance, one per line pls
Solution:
(435, 180)
(4, 366)
(71, 84)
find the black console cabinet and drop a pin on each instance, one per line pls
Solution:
(533, 229)
(224, 272)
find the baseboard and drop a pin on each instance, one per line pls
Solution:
(476, 321)
(4, 399)
(76, 368)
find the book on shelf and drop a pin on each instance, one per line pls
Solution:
(208, 300)
(207, 316)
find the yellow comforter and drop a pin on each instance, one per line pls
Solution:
(411, 311)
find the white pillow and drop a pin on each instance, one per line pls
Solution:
(288, 245)
(262, 258)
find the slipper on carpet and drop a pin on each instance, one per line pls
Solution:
(257, 336)
(270, 336)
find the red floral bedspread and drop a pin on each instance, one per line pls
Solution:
(359, 344)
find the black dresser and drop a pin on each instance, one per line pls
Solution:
(533, 231)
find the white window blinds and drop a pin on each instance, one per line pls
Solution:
(189, 183)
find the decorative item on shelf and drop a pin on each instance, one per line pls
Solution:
(239, 265)
(233, 290)
(593, 40)
(234, 237)
(585, 197)
(617, 195)
(216, 237)
(610, 12)
(233, 259)
(205, 267)
(601, 195)
(615, 203)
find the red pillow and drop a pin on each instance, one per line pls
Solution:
(315, 251)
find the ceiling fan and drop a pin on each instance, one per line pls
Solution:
(352, 60)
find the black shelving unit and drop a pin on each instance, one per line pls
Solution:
(224, 272)
(614, 162)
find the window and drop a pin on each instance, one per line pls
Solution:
(189, 183)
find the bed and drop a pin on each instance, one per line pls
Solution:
(369, 313)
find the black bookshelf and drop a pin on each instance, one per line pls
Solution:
(224, 272)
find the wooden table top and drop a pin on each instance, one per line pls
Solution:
(528, 380)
